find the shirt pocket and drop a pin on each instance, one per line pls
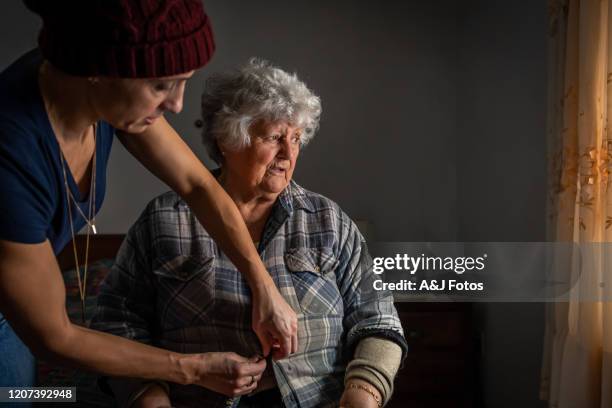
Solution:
(185, 290)
(312, 272)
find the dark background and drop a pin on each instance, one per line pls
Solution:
(433, 129)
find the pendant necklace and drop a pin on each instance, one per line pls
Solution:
(89, 220)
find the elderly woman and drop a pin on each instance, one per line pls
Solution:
(173, 287)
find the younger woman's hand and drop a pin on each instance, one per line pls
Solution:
(229, 373)
(274, 322)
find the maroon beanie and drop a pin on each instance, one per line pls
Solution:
(124, 38)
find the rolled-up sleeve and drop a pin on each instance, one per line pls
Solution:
(367, 312)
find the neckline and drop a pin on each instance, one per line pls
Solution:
(56, 149)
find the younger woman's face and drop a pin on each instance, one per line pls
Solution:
(131, 105)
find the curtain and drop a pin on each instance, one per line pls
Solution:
(577, 362)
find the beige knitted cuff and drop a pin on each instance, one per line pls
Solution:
(372, 377)
(376, 361)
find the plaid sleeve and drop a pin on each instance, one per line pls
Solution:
(367, 312)
(127, 296)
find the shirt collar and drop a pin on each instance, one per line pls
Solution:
(294, 196)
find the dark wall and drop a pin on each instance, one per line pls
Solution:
(501, 174)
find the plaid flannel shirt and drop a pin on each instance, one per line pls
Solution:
(172, 287)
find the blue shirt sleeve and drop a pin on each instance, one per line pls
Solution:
(27, 187)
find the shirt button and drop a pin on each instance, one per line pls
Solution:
(289, 368)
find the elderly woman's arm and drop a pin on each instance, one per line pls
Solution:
(375, 362)
(373, 327)
(161, 150)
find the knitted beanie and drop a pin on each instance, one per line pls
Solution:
(124, 38)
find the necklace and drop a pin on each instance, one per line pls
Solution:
(89, 220)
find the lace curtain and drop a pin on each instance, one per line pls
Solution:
(577, 364)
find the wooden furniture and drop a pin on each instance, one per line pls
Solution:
(440, 369)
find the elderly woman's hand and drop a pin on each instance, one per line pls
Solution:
(229, 373)
(361, 394)
(274, 322)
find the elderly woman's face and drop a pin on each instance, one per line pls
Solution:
(267, 164)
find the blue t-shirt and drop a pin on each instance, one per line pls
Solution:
(33, 204)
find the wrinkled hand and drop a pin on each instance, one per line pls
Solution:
(154, 397)
(356, 398)
(229, 373)
(274, 322)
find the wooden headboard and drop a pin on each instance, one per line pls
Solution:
(101, 246)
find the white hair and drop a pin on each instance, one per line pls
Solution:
(233, 100)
